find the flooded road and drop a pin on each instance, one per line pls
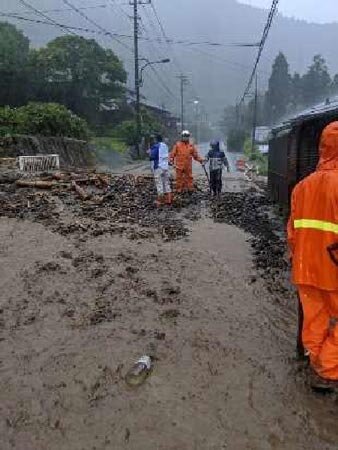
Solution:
(78, 309)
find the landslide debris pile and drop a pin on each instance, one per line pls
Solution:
(250, 212)
(92, 203)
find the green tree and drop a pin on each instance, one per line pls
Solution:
(78, 73)
(14, 50)
(279, 91)
(334, 85)
(297, 92)
(316, 83)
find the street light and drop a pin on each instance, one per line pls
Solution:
(151, 63)
(197, 119)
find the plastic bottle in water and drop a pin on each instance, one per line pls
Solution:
(139, 372)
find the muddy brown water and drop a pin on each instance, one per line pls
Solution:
(75, 314)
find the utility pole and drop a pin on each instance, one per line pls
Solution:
(135, 4)
(197, 119)
(254, 124)
(183, 82)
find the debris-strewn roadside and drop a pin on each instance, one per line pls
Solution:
(251, 212)
(94, 204)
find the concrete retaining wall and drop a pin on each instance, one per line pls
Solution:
(72, 152)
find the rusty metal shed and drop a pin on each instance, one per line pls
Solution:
(293, 150)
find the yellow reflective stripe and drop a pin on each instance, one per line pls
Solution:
(316, 225)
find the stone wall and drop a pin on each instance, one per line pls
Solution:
(71, 151)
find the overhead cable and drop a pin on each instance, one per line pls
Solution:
(93, 22)
(45, 16)
(266, 30)
(63, 26)
(57, 10)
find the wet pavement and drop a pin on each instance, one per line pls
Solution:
(88, 288)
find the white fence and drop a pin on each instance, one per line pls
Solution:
(39, 163)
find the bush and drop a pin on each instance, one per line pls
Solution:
(42, 119)
(8, 121)
(127, 129)
(127, 132)
(256, 156)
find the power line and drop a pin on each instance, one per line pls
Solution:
(266, 30)
(169, 44)
(113, 4)
(221, 60)
(154, 51)
(159, 21)
(167, 40)
(154, 80)
(57, 10)
(41, 14)
(165, 87)
(105, 32)
(158, 52)
(93, 22)
(60, 25)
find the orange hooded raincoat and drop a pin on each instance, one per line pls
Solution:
(181, 156)
(312, 231)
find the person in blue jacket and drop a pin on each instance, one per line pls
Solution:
(216, 159)
(159, 157)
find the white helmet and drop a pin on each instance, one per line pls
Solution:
(185, 133)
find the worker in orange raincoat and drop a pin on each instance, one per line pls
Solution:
(181, 157)
(313, 242)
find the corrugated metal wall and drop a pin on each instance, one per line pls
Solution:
(293, 155)
(308, 149)
(278, 167)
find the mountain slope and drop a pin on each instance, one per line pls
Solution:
(219, 74)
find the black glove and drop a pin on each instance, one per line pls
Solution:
(333, 252)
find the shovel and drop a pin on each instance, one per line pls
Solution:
(206, 174)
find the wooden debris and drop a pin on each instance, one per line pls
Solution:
(35, 184)
(80, 191)
(102, 179)
(59, 176)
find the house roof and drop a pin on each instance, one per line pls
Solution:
(322, 109)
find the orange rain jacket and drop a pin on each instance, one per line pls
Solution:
(182, 155)
(313, 224)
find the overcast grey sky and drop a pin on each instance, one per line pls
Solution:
(311, 10)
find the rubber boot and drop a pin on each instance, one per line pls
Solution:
(159, 201)
(169, 198)
(321, 385)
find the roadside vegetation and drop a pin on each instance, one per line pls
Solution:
(42, 119)
(71, 87)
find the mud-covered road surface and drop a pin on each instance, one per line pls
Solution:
(202, 288)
